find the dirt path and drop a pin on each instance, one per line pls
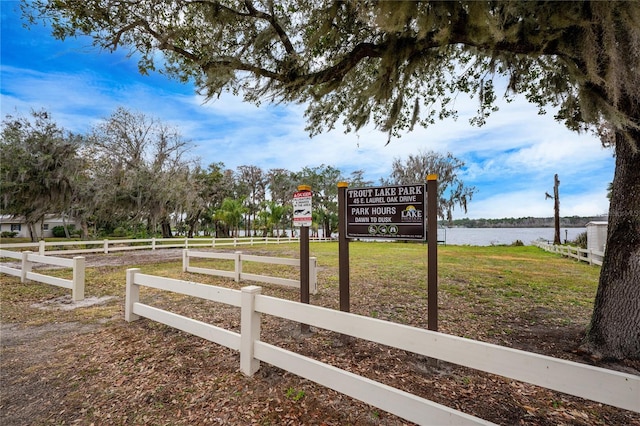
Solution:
(125, 258)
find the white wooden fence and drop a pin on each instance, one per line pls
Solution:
(76, 284)
(110, 246)
(237, 274)
(590, 256)
(597, 384)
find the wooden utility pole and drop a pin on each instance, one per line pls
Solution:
(556, 208)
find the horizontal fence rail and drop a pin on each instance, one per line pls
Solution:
(110, 246)
(592, 257)
(77, 264)
(605, 386)
(238, 274)
(134, 310)
(11, 255)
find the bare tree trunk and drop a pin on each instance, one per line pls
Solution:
(32, 232)
(65, 226)
(222, 230)
(614, 331)
(166, 229)
(192, 222)
(85, 229)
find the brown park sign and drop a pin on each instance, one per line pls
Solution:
(388, 212)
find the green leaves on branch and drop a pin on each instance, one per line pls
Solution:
(392, 64)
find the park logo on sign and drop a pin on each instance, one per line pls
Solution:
(411, 214)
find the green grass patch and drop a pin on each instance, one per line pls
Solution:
(388, 280)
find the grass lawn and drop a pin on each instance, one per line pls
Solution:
(483, 291)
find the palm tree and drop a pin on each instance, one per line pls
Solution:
(231, 212)
(276, 213)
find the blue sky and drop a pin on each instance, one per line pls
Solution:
(511, 160)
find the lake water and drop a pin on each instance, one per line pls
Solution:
(498, 236)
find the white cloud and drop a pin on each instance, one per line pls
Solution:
(555, 151)
(532, 203)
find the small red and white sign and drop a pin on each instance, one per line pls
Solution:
(302, 208)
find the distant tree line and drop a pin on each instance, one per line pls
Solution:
(131, 175)
(523, 222)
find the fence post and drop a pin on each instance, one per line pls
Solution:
(26, 266)
(313, 274)
(41, 248)
(238, 266)
(132, 295)
(249, 329)
(153, 243)
(235, 242)
(185, 260)
(213, 242)
(77, 291)
(106, 246)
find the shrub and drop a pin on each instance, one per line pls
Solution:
(8, 234)
(58, 231)
(517, 243)
(581, 240)
(119, 232)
